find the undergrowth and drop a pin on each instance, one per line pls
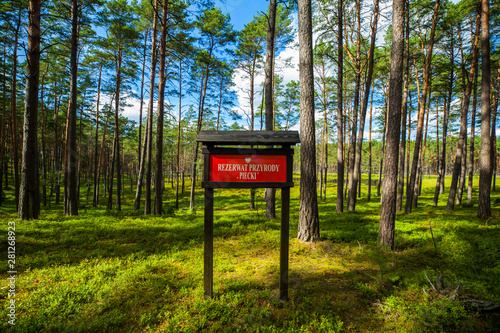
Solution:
(104, 271)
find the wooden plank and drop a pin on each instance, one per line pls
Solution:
(247, 151)
(248, 137)
(206, 167)
(285, 234)
(289, 166)
(209, 243)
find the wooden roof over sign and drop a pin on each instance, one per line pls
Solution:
(248, 137)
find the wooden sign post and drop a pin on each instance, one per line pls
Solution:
(247, 167)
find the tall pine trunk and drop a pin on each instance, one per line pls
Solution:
(95, 199)
(472, 138)
(493, 132)
(484, 207)
(404, 111)
(146, 164)
(340, 114)
(178, 137)
(29, 195)
(308, 229)
(159, 181)
(13, 108)
(390, 180)
(116, 152)
(270, 194)
(72, 156)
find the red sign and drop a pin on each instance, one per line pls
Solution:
(247, 168)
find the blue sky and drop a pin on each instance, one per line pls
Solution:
(242, 11)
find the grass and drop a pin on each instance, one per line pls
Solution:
(104, 271)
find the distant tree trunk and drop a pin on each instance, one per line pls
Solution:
(116, 147)
(95, 200)
(340, 125)
(111, 176)
(201, 107)
(148, 139)
(270, 193)
(347, 150)
(472, 138)
(203, 90)
(79, 173)
(139, 141)
(351, 197)
(29, 196)
(251, 74)
(13, 108)
(404, 110)
(463, 172)
(381, 166)
(407, 159)
(484, 208)
(44, 145)
(159, 181)
(57, 150)
(308, 214)
(369, 196)
(357, 162)
(72, 156)
(463, 123)
(178, 136)
(493, 131)
(420, 121)
(390, 180)
(447, 107)
(324, 135)
(418, 187)
(3, 125)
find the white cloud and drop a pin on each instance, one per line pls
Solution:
(131, 111)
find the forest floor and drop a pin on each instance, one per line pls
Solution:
(104, 271)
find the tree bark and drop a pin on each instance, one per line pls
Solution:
(270, 194)
(369, 196)
(159, 181)
(145, 144)
(148, 139)
(404, 110)
(3, 124)
(13, 108)
(493, 131)
(72, 155)
(139, 141)
(390, 180)
(116, 147)
(308, 230)
(340, 113)
(178, 136)
(484, 208)
(472, 139)
(29, 195)
(95, 199)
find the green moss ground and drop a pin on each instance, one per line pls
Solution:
(104, 271)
